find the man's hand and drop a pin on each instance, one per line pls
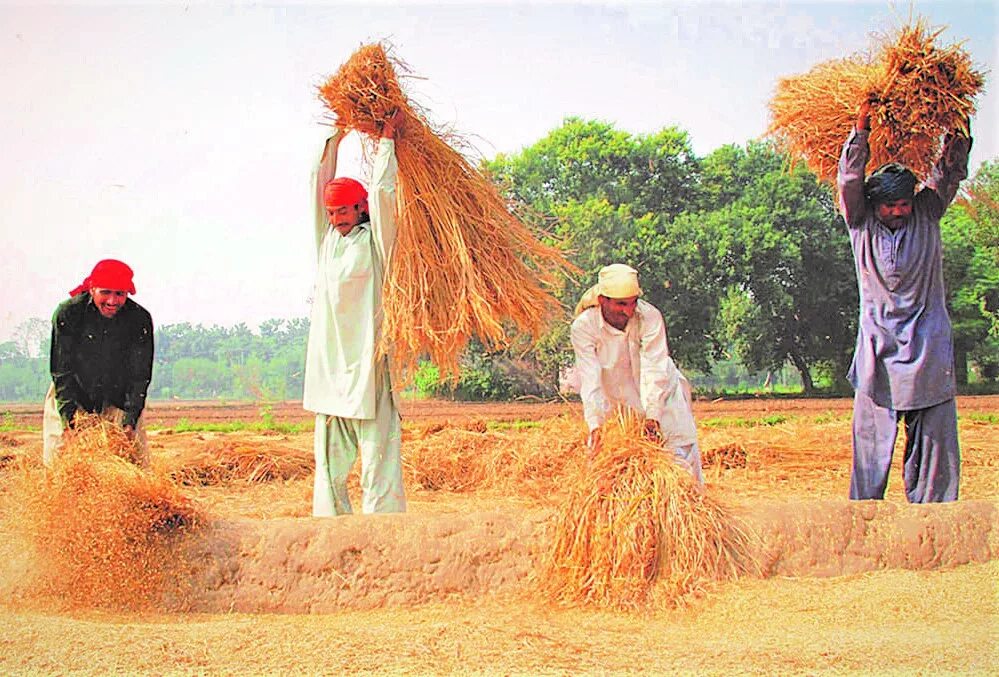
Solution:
(864, 116)
(595, 442)
(394, 124)
(652, 431)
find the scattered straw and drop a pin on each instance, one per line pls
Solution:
(637, 530)
(919, 92)
(98, 529)
(464, 263)
(530, 463)
(726, 456)
(223, 461)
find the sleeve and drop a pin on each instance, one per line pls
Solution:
(659, 376)
(949, 171)
(850, 177)
(140, 368)
(584, 345)
(382, 201)
(65, 334)
(323, 172)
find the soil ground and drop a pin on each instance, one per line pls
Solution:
(885, 621)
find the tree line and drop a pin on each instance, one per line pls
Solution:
(743, 252)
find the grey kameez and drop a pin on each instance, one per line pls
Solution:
(903, 365)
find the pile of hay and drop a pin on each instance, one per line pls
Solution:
(919, 91)
(224, 461)
(636, 530)
(466, 458)
(727, 456)
(464, 263)
(97, 530)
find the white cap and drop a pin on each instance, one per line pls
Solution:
(618, 281)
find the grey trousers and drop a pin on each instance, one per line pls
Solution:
(931, 467)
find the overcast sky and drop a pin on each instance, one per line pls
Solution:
(180, 137)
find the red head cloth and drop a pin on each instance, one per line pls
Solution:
(107, 274)
(343, 192)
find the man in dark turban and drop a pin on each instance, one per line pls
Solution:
(903, 365)
(101, 359)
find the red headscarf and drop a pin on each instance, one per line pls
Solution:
(107, 274)
(343, 192)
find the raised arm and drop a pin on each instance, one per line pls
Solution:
(324, 171)
(381, 196)
(852, 165)
(951, 169)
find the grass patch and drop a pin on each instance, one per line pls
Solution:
(9, 425)
(735, 422)
(512, 425)
(265, 425)
(979, 417)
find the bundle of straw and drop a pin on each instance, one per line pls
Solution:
(637, 530)
(100, 531)
(919, 92)
(464, 263)
(224, 461)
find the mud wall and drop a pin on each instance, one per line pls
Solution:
(319, 565)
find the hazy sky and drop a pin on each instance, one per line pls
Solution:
(180, 137)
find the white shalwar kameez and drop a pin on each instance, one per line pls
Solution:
(633, 368)
(345, 385)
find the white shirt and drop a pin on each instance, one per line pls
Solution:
(341, 374)
(631, 368)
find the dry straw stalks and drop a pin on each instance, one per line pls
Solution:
(464, 264)
(99, 530)
(919, 92)
(224, 461)
(636, 530)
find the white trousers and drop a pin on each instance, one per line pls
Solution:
(52, 430)
(336, 444)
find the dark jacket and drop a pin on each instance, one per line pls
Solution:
(96, 362)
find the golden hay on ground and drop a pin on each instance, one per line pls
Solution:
(530, 463)
(636, 530)
(223, 461)
(919, 92)
(97, 530)
(464, 263)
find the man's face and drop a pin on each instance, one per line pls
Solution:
(617, 312)
(108, 301)
(344, 217)
(894, 214)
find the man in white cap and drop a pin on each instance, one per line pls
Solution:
(622, 358)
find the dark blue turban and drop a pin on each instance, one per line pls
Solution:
(889, 183)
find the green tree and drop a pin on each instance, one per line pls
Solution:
(792, 294)
(972, 282)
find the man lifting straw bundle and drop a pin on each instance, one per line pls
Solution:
(431, 258)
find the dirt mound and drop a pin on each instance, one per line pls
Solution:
(320, 565)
